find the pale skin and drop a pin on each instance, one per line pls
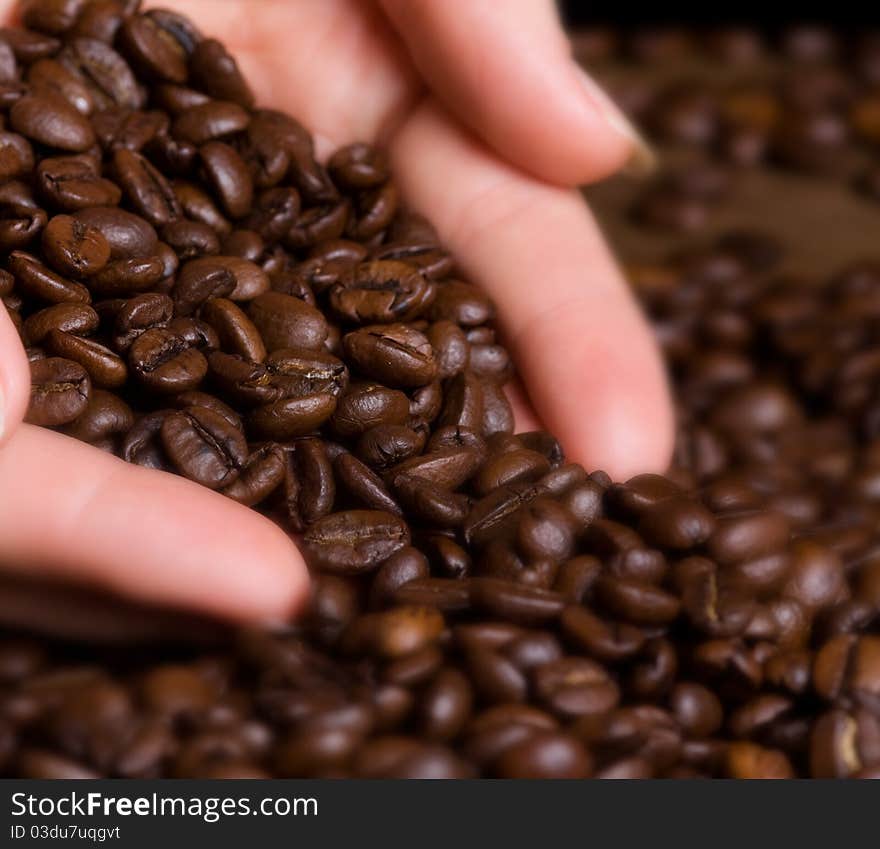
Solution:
(490, 129)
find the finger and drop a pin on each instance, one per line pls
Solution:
(14, 377)
(506, 71)
(70, 511)
(584, 351)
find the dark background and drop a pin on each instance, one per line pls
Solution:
(768, 14)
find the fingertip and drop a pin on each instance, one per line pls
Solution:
(618, 415)
(278, 585)
(631, 431)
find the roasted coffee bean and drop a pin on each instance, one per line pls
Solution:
(148, 191)
(462, 304)
(363, 486)
(104, 367)
(51, 79)
(406, 564)
(51, 122)
(573, 687)
(228, 175)
(287, 322)
(742, 537)
(204, 447)
(355, 541)
(237, 332)
(607, 641)
(74, 248)
(676, 523)
(126, 276)
(696, 709)
(36, 280)
(129, 235)
(515, 602)
(637, 602)
(292, 417)
(165, 363)
(16, 156)
(72, 183)
(216, 72)
(152, 50)
(107, 73)
(79, 319)
(105, 417)
(310, 487)
(381, 291)
(60, 391)
(367, 405)
(447, 594)
(394, 354)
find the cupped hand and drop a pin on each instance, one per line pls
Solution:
(490, 124)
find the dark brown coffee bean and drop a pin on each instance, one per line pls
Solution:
(36, 280)
(844, 743)
(104, 367)
(545, 755)
(16, 156)
(106, 72)
(515, 602)
(229, 177)
(79, 319)
(355, 541)
(607, 641)
(677, 523)
(638, 602)
(238, 334)
(51, 122)
(60, 391)
(72, 183)
(572, 687)
(367, 405)
(74, 248)
(127, 276)
(148, 191)
(461, 304)
(164, 362)
(381, 292)
(152, 50)
(696, 708)
(406, 564)
(215, 71)
(51, 79)
(287, 322)
(204, 447)
(363, 485)
(395, 354)
(447, 594)
(746, 536)
(129, 235)
(105, 417)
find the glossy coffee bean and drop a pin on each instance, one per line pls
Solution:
(204, 446)
(60, 391)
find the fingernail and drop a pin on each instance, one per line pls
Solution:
(642, 160)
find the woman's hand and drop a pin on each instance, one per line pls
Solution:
(490, 124)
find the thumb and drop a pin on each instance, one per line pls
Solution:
(14, 377)
(505, 69)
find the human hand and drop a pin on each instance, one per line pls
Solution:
(489, 124)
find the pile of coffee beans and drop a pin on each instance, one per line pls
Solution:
(806, 100)
(197, 294)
